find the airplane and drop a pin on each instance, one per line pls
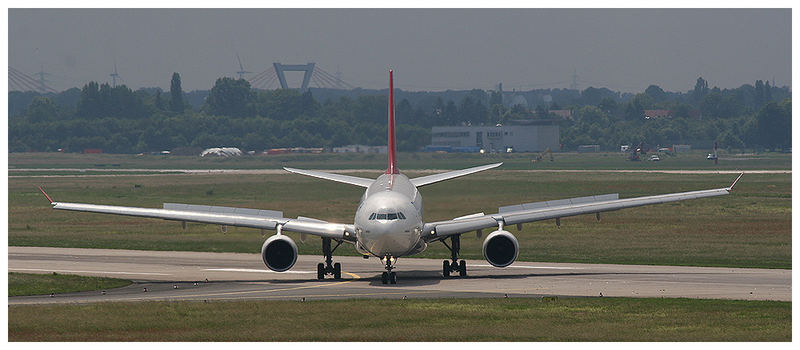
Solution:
(388, 222)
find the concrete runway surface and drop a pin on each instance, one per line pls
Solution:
(182, 276)
(174, 172)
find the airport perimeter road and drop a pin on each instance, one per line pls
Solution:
(182, 276)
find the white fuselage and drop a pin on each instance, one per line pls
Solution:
(388, 221)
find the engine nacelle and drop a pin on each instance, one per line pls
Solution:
(500, 248)
(279, 253)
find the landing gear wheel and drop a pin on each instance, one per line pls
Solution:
(320, 271)
(337, 271)
(329, 268)
(385, 277)
(453, 265)
(393, 278)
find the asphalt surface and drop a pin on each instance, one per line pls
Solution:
(169, 172)
(205, 276)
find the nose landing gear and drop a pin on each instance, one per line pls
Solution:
(456, 265)
(389, 276)
(328, 268)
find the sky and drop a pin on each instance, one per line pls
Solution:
(429, 49)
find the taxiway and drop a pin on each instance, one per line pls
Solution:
(163, 275)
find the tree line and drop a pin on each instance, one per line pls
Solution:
(120, 120)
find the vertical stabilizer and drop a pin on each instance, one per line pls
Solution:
(392, 169)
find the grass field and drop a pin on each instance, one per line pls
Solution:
(526, 319)
(750, 228)
(37, 284)
(406, 161)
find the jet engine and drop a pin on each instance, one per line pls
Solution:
(500, 248)
(279, 253)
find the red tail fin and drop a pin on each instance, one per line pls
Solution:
(392, 169)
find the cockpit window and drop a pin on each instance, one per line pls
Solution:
(387, 216)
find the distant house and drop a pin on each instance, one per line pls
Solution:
(361, 149)
(563, 113)
(657, 113)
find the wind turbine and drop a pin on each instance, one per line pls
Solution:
(241, 71)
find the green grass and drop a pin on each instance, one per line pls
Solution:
(36, 284)
(750, 228)
(526, 319)
(406, 161)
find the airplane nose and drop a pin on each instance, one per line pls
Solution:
(387, 240)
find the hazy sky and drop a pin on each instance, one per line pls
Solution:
(429, 49)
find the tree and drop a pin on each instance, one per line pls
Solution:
(774, 125)
(42, 109)
(232, 97)
(656, 93)
(700, 89)
(176, 103)
(89, 105)
(608, 105)
(495, 98)
(767, 92)
(760, 98)
(159, 101)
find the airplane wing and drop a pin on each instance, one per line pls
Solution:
(228, 216)
(530, 212)
(352, 180)
(427, 180)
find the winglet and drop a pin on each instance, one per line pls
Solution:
(734, 182)
(45, 194)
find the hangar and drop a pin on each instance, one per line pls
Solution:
(522, 136)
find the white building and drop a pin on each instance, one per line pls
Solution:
(537, 136)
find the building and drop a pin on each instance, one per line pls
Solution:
(563, 113)
(681, 148)
(361, 149)
(535, 136)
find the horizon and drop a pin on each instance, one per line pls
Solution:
(623, 50)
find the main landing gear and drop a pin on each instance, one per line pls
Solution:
(456, 265)
(389, 276)
(327, 268)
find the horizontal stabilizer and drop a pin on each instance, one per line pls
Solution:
(558, 203)
(223, 210)
(351, 180)
(427, 180)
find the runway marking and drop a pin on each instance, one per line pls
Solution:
(355, 278)
(534, 267)
(255, 270)
(308, 296)
(81, 271)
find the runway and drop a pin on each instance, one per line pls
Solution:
(205, 276)
(176, 172)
